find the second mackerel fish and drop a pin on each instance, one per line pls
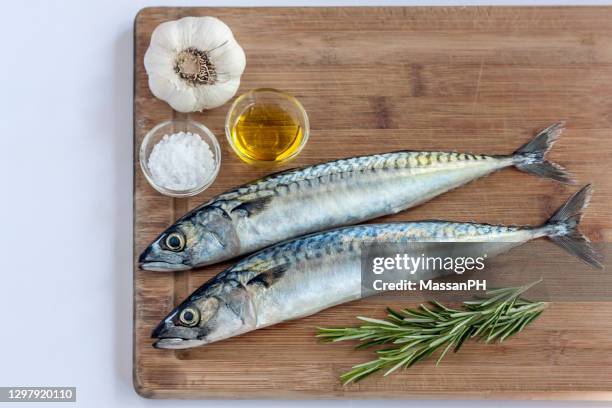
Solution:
(306, 275)
(338, 193)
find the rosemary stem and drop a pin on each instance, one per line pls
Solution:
(416, 334)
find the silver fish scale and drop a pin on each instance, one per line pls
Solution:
(350, 238)
(384, 161)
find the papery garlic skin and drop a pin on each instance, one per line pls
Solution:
(194, 63)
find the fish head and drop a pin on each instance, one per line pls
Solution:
(205, 318)
(200, 238)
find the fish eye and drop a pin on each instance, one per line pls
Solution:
(175, 242)
(189, 317)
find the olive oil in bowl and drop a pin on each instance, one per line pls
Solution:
(266, 126)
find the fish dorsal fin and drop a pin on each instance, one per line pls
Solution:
(269, 277)
(253, 206)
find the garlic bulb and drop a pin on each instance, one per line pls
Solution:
(194, 63)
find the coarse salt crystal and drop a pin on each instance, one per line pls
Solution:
(181, 161)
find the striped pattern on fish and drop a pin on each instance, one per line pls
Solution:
(303, 276)
(328, 195)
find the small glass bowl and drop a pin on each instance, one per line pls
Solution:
(266, 96)
(173, 126)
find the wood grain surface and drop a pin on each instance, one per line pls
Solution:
(382, 79)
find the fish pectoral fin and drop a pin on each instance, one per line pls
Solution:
(253, 206)
(217, 238)
(269, 277)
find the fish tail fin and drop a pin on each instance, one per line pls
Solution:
(530, 157)
(563, 228)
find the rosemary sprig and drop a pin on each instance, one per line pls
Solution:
(417, 333)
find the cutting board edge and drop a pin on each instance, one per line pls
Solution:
(149, 392)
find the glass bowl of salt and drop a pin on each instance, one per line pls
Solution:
(180, 158)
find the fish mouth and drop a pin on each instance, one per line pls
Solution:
(149, 261)
(176, 343)
(160, 266)
(169, 336)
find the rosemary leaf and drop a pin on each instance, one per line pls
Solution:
(415, 334)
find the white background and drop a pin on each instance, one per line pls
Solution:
(66, 207)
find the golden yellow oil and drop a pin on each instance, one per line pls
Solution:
(266, 132)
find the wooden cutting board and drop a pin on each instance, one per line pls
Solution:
(382, 79)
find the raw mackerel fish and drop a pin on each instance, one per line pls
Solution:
(306, 275)
(316, 198)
